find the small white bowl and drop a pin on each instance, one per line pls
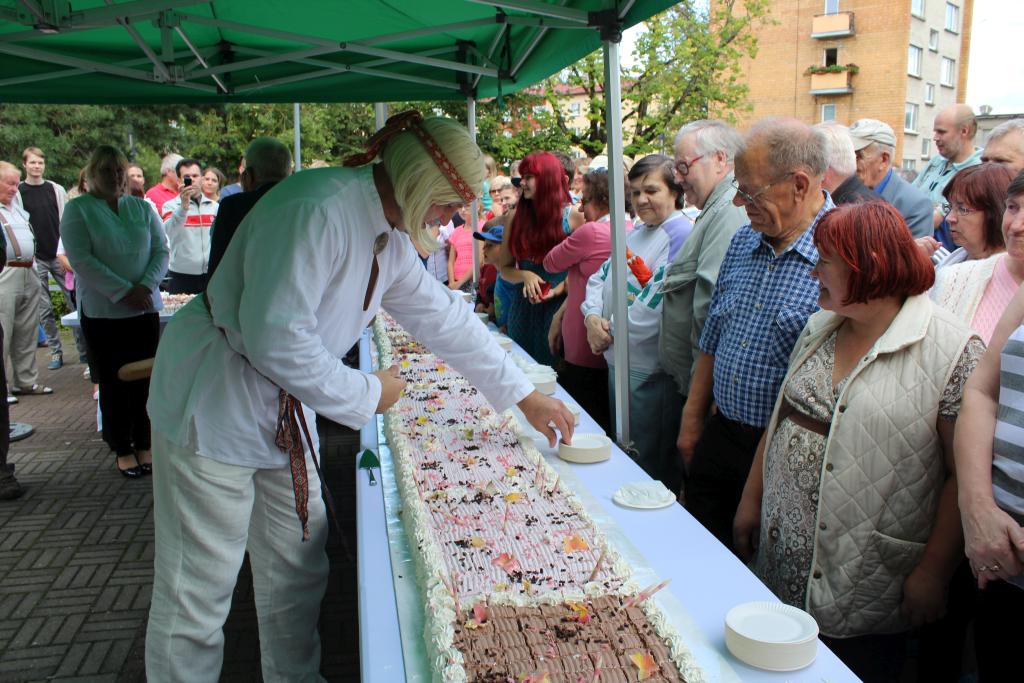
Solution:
(771, 636)
(586, 448)
(504, 341)
(576, 412)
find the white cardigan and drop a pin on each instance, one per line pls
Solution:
(959, 287)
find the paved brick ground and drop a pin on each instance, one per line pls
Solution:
(76, 556)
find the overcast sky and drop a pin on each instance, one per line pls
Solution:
(995, 71)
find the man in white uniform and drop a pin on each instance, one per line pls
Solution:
(303, 276)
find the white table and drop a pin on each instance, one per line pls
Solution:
(707, 580)
(71, 319)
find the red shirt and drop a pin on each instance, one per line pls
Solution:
(485, 285)
(158, 194)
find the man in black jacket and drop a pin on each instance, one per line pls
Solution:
(267, 162)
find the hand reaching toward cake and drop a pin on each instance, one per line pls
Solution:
(543, 411)
(391, 387)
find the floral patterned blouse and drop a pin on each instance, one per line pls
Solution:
(793, 463)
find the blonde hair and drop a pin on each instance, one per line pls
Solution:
(7, 168)
(34, 151)
(419, 183)
(96, 166)
(500, 182)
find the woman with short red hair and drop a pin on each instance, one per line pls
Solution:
(851, 500)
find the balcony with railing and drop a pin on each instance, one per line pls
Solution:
(836, 25)
(832, 82)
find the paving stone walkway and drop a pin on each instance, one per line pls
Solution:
(76, 556)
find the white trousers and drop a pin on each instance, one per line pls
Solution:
(207, 514)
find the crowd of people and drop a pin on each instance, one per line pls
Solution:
(811, 336)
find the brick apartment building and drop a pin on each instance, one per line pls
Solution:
(910, 57)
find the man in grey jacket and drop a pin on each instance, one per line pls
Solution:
(875, 144)
(704, 154)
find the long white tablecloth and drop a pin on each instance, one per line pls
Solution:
(707, 580)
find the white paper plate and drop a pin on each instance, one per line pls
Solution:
(586, 448)
(771, 636)
(504, 341)
(644, 495)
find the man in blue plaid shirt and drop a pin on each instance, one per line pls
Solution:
(762, 299)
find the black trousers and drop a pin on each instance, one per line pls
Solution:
(113, 342)
(878, 658)
(997, 632)
(589, 388)
(5, 415)
(182, 283)
(718, 472)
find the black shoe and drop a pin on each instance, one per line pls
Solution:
(9, 487)
(129, 472)
(147, 467)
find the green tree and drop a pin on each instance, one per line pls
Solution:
(688, 66)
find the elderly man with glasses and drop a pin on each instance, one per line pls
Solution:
(704, 157)
(762, 299)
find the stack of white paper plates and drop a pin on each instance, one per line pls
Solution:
(644, 495)
(771, 635)
(586, 448)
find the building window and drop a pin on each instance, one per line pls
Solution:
(831, 6)
(929, 93)
(933, 40)
(948, 72)
(831, 57)
(828, 112)
(910, 118)
(925, 147)
(952, 18)
(574, 108)
(909, 165)
(914, 54)
(917, 8)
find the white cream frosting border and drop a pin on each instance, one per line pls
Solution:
(440, 605)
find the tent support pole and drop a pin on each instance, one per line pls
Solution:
(380, 114)
(617, 202)
(297, 117)
(474, 208)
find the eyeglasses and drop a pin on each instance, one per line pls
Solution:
(961, 209)
(752, 198)
(683, 167)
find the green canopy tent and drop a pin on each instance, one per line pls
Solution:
(216, 51)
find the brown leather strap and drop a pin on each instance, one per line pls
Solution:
(12, 239)
(788, 410)
(288, 438)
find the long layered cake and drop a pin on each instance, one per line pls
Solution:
(520, 584)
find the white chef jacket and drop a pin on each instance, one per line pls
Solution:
(289, 298)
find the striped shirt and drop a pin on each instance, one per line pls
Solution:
(760, 305)
(1008, 446)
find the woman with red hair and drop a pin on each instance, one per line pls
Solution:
(850, 504)
(540, 222)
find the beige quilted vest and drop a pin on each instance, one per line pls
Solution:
(883, 467)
